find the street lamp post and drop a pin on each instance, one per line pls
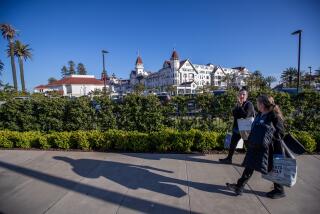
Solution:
(310, 76)
(299, 51)
(104, 72)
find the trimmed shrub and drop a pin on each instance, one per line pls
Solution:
(159, 141)
(120, 140)
(138, 142)
(316, 137)
(5, 143)
(205, 141)
(181, 141)
(306, 140)
(27, 140)
(43, 142)
(59, 140)
(99, 140)
(79, 139)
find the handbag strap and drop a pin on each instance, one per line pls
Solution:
(287, 151)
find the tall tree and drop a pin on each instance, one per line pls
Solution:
(51, 80)
(81, 70)
(289, 76)
(71, 67)
(64, 71)
(8, 32)
(23, 52)
(258, 80)
(270, 80)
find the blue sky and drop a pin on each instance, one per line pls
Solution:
(255, 34)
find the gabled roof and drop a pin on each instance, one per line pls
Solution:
(219, 67)
(184, 61)
(76, 81)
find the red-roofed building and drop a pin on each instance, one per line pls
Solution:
(73, 85)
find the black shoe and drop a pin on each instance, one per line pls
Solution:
(234, 188)
(275, 194)
(226, 160)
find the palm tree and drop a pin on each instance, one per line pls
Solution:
(257, 79)
(22, 52)
(289, 76)
(270, 79)
(8, 32)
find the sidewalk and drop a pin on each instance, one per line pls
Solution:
(91, 182)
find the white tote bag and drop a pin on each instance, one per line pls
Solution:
(284, 172)
(244, 126)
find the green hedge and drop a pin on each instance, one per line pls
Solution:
(167, 140)
(147, 114)
(306, 139)
(316, 136)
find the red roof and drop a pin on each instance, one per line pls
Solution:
(76, 80)
(139, 60)
(174, 55)
(41, 87)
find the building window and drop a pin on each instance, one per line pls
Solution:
(69, 89)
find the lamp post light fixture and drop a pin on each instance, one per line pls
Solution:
(299, 53)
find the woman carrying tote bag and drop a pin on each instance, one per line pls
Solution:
(264, 142)
(243, 109)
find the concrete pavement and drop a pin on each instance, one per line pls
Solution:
(92, 182)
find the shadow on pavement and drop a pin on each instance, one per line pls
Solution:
(128, 175)
(184, 157)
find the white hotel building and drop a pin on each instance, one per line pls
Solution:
(184, 76)
(187, 77)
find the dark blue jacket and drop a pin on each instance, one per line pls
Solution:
(261, 158)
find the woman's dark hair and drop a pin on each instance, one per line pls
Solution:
(243, 90)
(269, 104)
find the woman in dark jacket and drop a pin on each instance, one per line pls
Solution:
(259, 156)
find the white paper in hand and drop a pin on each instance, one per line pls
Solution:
(244, 126)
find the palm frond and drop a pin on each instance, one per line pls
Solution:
(8, 31)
